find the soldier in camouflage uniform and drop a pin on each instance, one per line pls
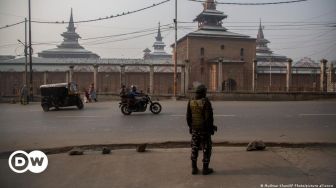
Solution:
(200, 122)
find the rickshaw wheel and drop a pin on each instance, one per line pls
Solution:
(45, 107)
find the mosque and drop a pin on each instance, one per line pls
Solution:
(223, 60)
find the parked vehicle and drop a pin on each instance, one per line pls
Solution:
(127, 105)
(60, 95)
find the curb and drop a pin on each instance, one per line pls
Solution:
(170, 145)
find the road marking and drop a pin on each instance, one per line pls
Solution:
(177, 115)
(79, 116)
(216, 115)
(224, 115)
(317, 114)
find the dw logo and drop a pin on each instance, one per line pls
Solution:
(20, 161)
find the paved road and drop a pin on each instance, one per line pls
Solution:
(28, 127)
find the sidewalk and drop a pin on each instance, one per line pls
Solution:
(234, 168)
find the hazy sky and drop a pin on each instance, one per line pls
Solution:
(295, 30)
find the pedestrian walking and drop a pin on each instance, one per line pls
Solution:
(86, 96)
(24, 95)
(92, 92)
(201, 127)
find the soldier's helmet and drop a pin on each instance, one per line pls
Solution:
(201, 89)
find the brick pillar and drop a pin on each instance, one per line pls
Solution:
(254, 75)
(95, 76)
(220, 76)
(289, 75)
(187, 71)
(183, 80)
(151, 79)
(331, 78)
(122, 75)
(323, 80)
(71, 71)
(45, 77)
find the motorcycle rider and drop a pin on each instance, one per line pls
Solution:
(134, 92)
(133, 96)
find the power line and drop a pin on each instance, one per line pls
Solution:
(94, 40)
(11, 25)
(253, 4)
(9, 45)
(103, 38)
(117, 35)
(309, 43)
(104, 18)
(90, 20)
(129, 38)
(246, 28)
(321, 51)
(274, 24)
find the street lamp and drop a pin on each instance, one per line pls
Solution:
(26, 60)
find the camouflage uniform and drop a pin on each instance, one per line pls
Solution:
(200, 122)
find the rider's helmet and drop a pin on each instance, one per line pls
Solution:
(133, 88)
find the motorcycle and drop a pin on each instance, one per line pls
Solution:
(140, 105)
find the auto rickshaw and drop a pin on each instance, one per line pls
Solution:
(60, 95)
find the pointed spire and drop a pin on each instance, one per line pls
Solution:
(260, 36)
(159, 44)
(261, 41)
(70, 36)
(159, 37)
(260, 31)
(71, 26)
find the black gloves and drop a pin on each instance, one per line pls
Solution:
(213, 129)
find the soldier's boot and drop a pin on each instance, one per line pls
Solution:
(206, 170)
(194, 167)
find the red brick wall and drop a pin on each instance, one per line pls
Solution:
(190, 49)
(300, 82)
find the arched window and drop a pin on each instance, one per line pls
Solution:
(242, 54)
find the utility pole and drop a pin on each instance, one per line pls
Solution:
(270, 75)
(26, 53)
(30, 55)
(175, 52)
